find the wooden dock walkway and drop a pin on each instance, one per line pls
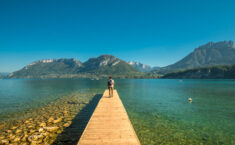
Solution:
(109, 124)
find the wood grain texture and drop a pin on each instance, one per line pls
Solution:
(109, 124)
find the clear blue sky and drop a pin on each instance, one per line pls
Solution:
(156, 32)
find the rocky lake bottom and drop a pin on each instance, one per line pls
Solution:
(44, 125)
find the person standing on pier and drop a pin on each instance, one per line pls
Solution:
(110, 86)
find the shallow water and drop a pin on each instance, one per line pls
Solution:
(161, 113)
(159, 109)
(45, 111)
(19, 95)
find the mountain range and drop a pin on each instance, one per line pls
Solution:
(142, 67)
(202, 58)
(3, 74)
(210, 54)
(103, 65)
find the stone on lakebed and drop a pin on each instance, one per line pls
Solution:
(51, 119)
(51, 129)
(43, 124)
(57, 120)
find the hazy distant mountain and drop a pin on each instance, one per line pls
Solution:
(214, 72)
(139, 66)
(155, 68)
(210, 54)
(3, 74)
(103, 65)
(142, 67)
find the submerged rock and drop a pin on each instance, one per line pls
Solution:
(31, 126)
(24, 143)
(27, 121)
(59, 132)
(36, 142)
(32, 131)
(24, 138)
(2, 137)
(35, 137)
(51, 119)
(67, 124)
(65, 112)
(51, 129)
(41, 130)
(58, 120)
(17, 139)
(14, 127)
(18, 131)
(4, 141)
(43, 124)
(11, 136)
(46, 134)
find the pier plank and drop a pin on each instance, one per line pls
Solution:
(109, 124)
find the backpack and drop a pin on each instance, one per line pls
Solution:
(110, 82)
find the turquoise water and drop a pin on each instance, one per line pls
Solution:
(20, 95)
(158, 108)
(161, 113)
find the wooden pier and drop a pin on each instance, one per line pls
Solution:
(109, 124)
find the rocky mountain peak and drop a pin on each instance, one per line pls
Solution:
(67, 61)
(210, 54)
(217, 45)
(104, 60)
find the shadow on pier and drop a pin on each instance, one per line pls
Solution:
(72, 134)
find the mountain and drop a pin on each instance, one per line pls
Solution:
(140, 67)
(215, 72)
(3, 74)
(103, 65)
(108, 64)
(210, 54)
(155, 68)
(49, 67)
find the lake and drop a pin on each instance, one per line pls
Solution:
(158, 108)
